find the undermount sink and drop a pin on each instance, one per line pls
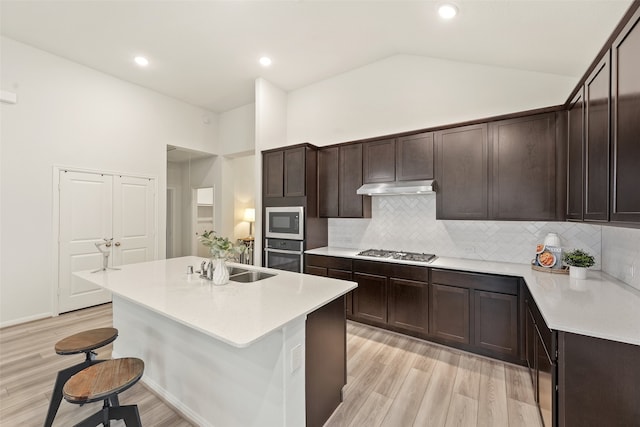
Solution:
(235, 270)
(250, 276)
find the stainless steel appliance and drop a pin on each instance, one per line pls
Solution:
(400, 255)
(284, 254)
(285, 222)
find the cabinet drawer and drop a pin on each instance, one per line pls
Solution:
(328, 262)
(484, 282)
(400, 271)
(316, 271)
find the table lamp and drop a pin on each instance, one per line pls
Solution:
(250, 217)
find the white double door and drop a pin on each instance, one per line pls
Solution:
(94, 207)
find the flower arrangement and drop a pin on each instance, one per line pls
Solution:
(221, 247)
(578, 258)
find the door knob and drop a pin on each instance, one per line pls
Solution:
(108, 244)
(117, 243)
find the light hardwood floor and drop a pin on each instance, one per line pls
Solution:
(29, 364)
(393, 380)
(398, 381)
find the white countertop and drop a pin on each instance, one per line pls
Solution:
(236, 313)
(600, 306)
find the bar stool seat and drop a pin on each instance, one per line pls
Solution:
(86, 341)
(82, 342)
(103, 382)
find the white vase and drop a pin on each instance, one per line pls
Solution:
(577, 272)
(220, 272)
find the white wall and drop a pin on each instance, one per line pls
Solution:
(244, 192)
(406, 92)
(271, 132)
(71, 115)
(237, 130)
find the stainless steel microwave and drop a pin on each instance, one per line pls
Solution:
(285, 222)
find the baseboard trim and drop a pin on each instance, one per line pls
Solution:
(25, 319)
(171, 401)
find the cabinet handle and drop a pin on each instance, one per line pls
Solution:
(117, 243)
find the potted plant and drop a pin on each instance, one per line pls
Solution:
(221, 249)
(578, 262)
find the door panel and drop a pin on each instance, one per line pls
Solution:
(134, 220)
(85, 219)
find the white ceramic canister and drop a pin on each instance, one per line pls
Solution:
(552, 239)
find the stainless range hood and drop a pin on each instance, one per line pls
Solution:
(397, 188)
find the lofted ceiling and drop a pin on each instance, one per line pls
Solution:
(206, 52)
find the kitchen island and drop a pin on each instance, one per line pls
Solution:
(233, 354)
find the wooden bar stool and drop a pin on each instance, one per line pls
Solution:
(103, 382)
(82, 342)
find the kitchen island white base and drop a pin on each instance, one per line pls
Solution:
(211, 382)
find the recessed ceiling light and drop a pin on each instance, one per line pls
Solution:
(141, 61)
(265, 61)
(447, 10)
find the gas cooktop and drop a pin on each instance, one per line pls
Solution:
(399, 255)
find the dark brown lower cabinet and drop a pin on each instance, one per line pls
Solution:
(334, 267)
(541, 356)
(496, 322)
(450, 313)
(409, 305)
(370, 298)
(598, 382)
(343, 275)
(326, 361)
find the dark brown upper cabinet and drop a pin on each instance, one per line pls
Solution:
(523, 182)
(273, 173)
(414, 157)
(378, 161)
(575, 162)
(339, 176)
(328, 182)
(350, 204)
(289, 177)
(625, 200)
(294, 172)
(597, 99)
(462, 173)
(284, 173)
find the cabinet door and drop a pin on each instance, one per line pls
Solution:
(598, 382)
(273, 173)
(496, 322)
(530, 348)
(523, 184)
(370, 298)
(597, 143)
(351, 205)
(546, 384)
(414, 157)
(294, 172)
(462, 173)
(575, 163)
(449, 313)
(379, 161)
(409, 305)
(328, 181)
(625, 203)
(344, 275)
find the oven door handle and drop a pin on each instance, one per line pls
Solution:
(280, 251)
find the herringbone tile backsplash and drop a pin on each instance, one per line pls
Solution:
(409, 223)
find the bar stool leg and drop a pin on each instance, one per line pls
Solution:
(61, 379)
(129, 414)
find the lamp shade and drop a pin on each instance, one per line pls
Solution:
(250, 215)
